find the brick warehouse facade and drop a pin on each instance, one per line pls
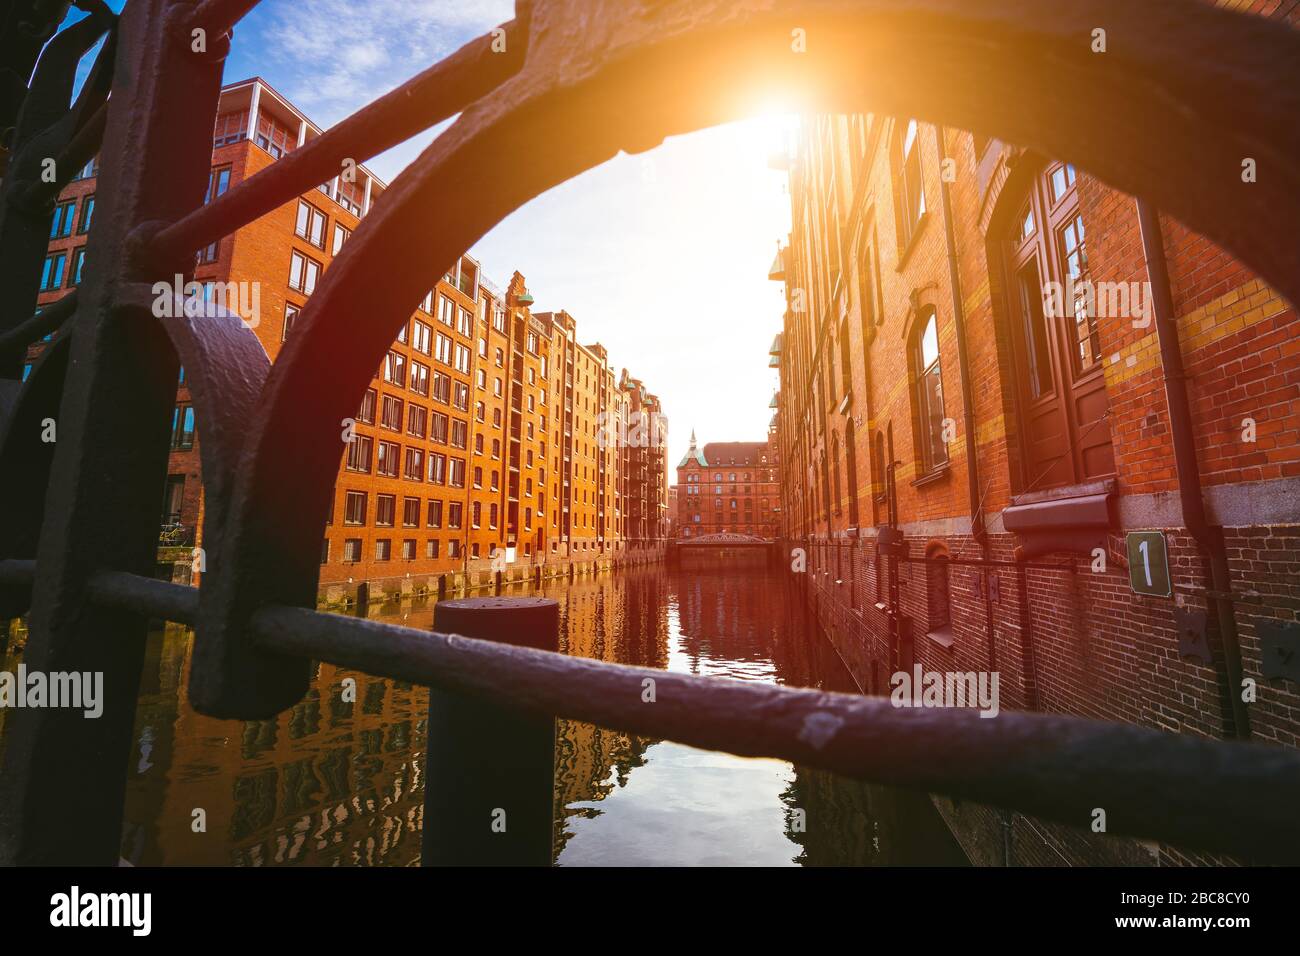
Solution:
(728, 487)
(922, 344)
(478, 433)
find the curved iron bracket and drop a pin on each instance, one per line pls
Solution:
(598, 79)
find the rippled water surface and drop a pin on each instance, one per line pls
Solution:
(334, 783)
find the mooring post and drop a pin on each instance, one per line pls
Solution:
(490, 775)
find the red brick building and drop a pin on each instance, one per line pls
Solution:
(642, 434)
(728, 487)
(969, 364)
(478, 432)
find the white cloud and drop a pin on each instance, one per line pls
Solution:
(334, 56)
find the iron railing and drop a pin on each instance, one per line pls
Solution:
(562, 87)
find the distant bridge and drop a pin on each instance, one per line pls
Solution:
(725, 539)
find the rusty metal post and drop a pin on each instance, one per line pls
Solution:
(489, 788)
(62, 786)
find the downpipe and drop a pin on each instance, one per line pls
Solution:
(1208, 537)
(977, 528)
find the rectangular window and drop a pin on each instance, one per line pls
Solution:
(385, 510)
(433, 514)
(303, 273)
(354, 508)
(352, 551)
(64, 214)
(87, 214)
(291, 313)
(441, 387)
(421, 337)
(911, 190)
(444, 349)
(410, 512)
(389, 453)
(408, 549)
(218, 183)
(417, 420)
(360, 452)
(391, 416)
(395, 369)
(368, 405)
(431, 548)
(173, 499)
(419, 378)
(52, 273)
(413, 469)
(78, 261)
(341, 236)
(183, 427)
(462, 358)
(459, 433)
(457, 475)
(439, 432)
(384, 549)
(310, 224)
(437, 468)
(455, 514)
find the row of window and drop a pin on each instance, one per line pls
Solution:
(356, 505)
(65, 216)
(55, 273)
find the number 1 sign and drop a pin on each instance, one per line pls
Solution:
(1148, 563)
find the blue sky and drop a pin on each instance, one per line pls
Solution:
(662, 257)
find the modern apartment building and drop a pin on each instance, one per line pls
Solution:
(478, 434)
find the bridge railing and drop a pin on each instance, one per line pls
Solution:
(80, 514)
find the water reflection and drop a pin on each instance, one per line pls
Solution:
(340, 780)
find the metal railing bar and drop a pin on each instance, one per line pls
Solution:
(17, 572)
(1176, 788)
(39, 325)
(441, 91)
(145, 596)
(80, 150)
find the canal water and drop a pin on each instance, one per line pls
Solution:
(334, 783)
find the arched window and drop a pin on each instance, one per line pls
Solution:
(1056, 342)
(931, 448)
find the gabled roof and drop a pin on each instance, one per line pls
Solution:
(777, 272)
(693, 453)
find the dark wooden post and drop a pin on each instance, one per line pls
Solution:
(489, 788)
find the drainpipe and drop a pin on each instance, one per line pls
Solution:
(978, 531)
(1210, 538)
